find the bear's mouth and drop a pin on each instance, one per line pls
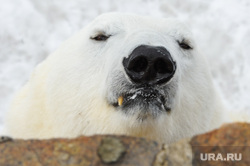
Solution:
(146, 99)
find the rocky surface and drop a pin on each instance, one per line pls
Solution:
(96, 150)
(229, 145)
(125, 151)
(177, 154)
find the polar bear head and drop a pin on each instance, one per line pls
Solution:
(123, 74)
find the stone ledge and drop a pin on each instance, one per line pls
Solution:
(229, 140)
(122, 150)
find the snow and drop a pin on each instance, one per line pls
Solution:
(31, 29)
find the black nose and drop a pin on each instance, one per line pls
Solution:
(149, 65)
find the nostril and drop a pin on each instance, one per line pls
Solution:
(139, 64)
(162, 67)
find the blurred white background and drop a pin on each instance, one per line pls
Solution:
(31, 29)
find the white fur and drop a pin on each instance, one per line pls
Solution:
(66, 94)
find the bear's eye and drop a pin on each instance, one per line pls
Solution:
(100, 37)
(184, 45)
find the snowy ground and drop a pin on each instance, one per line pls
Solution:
(31, 29)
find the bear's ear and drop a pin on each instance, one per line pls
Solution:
(185, 44)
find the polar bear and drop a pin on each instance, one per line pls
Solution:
(122, 74)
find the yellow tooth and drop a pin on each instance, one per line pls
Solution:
(120, 100)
